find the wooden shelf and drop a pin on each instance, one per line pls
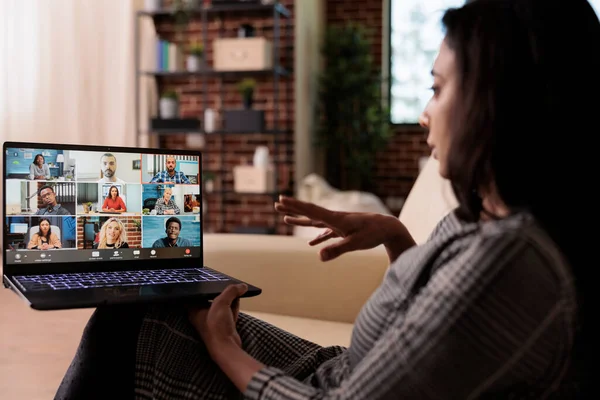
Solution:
(211, 72)
(279, 8)
(179, 131)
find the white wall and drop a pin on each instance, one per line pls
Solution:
(88, 166)
(309, 27)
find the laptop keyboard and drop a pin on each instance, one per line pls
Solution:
(117, 278)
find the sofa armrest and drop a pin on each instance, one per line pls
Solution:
(294, 280)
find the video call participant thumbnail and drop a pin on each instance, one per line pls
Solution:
(170, 174)
(44, 238)
(52, 207)
(113, 235)
(114, 202)
(38, 169)
(173, 230)
(108, 166)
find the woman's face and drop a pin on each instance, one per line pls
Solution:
(113, 232)
(113, 192)
(437, 113)
(167, 195)
(39, 160)
(44, 227)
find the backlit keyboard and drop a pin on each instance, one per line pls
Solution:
(117, 278)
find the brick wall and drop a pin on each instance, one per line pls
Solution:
(397, 165)
(222, 152)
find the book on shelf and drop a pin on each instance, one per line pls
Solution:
(169, 56)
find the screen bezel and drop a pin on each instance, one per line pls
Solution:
(100, 265)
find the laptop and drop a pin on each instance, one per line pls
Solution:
(60, 255)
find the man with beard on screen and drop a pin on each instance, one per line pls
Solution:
(108, 166)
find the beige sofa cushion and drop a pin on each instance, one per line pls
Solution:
(429, 200)
(294, 280)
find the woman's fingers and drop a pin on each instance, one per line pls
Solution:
(302, 221)
(289, 205)
(323, 237)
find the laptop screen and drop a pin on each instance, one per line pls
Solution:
(83, 204)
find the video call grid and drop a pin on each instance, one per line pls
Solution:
(148, 202)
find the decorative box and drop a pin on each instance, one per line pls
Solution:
(251, 179)
(244, 121)
(242, 54)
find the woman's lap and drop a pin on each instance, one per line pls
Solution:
(156, 353)
(172, 361)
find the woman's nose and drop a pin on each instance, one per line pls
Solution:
(424, 120)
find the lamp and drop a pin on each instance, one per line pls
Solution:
(60, 158)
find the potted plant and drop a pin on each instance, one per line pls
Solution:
(208, 178)
(354, 124)
(87, 207)
(146, 211)
(168, 104)
(195, 57)
(138, 224)
(246, 88)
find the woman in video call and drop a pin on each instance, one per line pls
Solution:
(44, 239)
(38, 169)
(114, 202)
(166, 206)
(112, 235)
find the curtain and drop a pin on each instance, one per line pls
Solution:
(67, 72)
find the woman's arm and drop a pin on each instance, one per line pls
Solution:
(33, 243)
(31, 171)
(457, 338)
(46, 169)
(122, 205)
(177, 211)
(55, 241)
(105, 204)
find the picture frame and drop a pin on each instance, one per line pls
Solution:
(136, 164)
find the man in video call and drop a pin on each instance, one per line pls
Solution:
(108, 166)
(173, 229)
(170, 175)
(49, 198)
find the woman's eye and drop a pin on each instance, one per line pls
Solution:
(435, 89)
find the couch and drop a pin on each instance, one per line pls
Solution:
(320, 300)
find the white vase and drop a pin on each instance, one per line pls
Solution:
(209, 120)
(261, 157)
(168, 108)
(193, 63)
(152, 5)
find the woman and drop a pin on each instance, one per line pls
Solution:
(491, 306)
(38, 169)
(166, 206)
(112, 235)
(114, 202)
(44, 239)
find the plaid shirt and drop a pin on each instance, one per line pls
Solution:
(479, 311)
(163, 176)
(160, 206)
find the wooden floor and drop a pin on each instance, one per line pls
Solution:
(35, 347)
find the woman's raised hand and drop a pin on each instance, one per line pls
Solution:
(359, 231)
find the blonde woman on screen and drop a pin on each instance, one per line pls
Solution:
(113, 235)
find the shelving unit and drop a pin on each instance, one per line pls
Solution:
(277, 131)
